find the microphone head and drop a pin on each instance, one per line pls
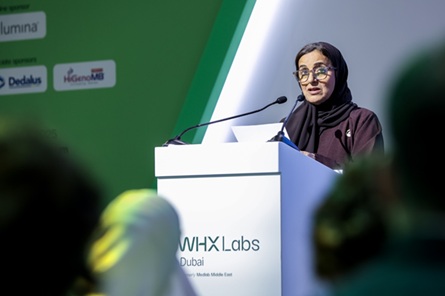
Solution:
(281, 100)
(300, 98)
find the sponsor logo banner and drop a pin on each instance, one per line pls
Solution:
(85, 75)
(22, 26)
(23, 80)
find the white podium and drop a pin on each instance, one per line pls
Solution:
(246, 213)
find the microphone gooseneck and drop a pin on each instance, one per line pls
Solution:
(279, 137)
(177, 140)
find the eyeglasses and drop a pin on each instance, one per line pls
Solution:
(318, 73)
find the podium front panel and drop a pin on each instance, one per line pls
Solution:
(231, 232)
(246, 215)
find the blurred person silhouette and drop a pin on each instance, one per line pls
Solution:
(328, 126)
(135, 247)
(391, 241)
(351, 224)
(49, 207)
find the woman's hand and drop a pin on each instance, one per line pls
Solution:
(310, 154)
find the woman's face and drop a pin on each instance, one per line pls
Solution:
(316, 90)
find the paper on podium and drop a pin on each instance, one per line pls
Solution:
(257, 132)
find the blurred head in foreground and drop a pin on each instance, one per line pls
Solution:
(49, 207)
(350, 224)
(134, 252)
(416, 113)
(384, 218)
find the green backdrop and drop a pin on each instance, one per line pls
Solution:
(170, 57)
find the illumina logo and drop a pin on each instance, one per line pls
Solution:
(218, 244)
(22, 26)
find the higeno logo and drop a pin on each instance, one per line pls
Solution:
(95, 75)
(85, 75)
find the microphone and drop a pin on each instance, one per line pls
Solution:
(177, 140)
(279, 137)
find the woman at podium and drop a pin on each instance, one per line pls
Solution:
(328, 126)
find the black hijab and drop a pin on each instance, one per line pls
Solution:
(308, 121)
